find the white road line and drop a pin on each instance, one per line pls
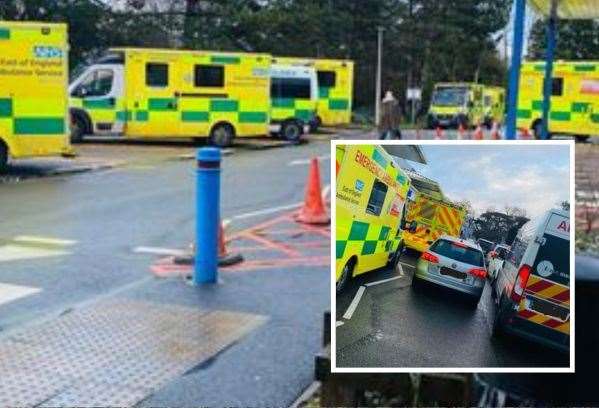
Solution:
(338, 323)
(354, 304)
(43, 240)
(157, 251)
(19, 252)
(9, 292)
(407, 264)
(400, 269)
(382, 281)
(265, 211)
(325, 191)
(303, 162)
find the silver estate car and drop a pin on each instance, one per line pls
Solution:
(454, 263)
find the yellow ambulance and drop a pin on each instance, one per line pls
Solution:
(456, 104)
(574, 98)
(33, 82)
(371, 194)
(433, 214)
(493, 104)
(145, 93)
(335, 88)
(293, 99)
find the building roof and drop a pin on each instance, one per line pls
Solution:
(569, 9)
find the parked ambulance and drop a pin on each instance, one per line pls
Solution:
(293, 99)
(455, 105)
(574, 98)
(335, 88)
(146, 93)
(33, 99)
(532, 289)
(493, 105)
(432, 213)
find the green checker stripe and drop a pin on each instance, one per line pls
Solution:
(224, 105)
(323, 92)
(5, 108)
(340, 248)
(105, 103)
(283, 103)
(38, 126)
(304, 114)
(585, 68)
(142, 116)
(338, 104)
(369, 247)
(162, 104)
(123, 116)
(401, 179)
(253, 117)
(4, 34)
(540, 67)
(595, 117)
(560, 116)
(358, 231)
(384, 234)
(224, 59)
(378, 157)
(524, 113)
(579, 107)
(195, 116)
(537, 105)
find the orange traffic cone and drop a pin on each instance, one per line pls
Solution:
(525, 134)
(478, 133)
(495, 135)
(439, 133)
(313, 211)
(225, 258)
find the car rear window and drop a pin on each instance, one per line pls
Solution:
(458, 252)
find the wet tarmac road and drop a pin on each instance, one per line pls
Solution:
(395, 326)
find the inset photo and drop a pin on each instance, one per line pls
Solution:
(452, 257)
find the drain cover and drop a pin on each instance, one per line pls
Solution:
(114, 353)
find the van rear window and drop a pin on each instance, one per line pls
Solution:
(553, 260)
(458, 252)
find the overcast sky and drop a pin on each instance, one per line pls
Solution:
(533, 177)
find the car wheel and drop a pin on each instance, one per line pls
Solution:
(222, 135)
(473, 303)
(77, 128)
(416, 283)
(3, 157)
(291, 131)
(346, 276)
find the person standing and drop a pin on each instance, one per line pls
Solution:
(390, 118)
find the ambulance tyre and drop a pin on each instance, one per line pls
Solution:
(3, 157)
(537, 130)
(394, 260)
(222, 135)
(346, 275)
(497, 330)
(582, 139)
(291, 131)
(78, 127)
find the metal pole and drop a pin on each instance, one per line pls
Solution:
(377, 105)
(207, 215)
(548, 81)
(514, 79)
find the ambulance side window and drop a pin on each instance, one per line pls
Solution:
(156, 74)
(209, 76)
(377, 198)
(326, 79)
(557, 86)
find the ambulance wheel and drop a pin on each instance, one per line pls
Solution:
(222, 135)
(582, 139)
(537, 130)
(497, 330)
(3, 157)
(77, 129)
(291, 131)
(346, 275)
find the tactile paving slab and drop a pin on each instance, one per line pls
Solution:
(113, 353)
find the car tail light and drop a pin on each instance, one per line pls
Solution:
(480, 273)
(520, 284)
(427, 256)
(458, 244)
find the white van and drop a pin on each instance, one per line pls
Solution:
(533, 287)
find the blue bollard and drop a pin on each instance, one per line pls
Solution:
(207, 215)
